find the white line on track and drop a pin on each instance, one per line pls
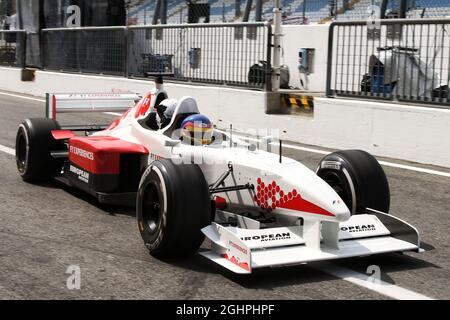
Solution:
(22, 97)
(418, 169)
(290, 146)
(382, 287)
(7, 150)
(115, 114)
(383, 163)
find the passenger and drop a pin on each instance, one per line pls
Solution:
(164, 111)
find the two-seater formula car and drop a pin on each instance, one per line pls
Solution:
(257, 208)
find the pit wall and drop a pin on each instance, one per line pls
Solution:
(398, 131)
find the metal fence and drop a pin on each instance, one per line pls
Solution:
(214, 53)
(12, 48)
(229, 54)
(405, 60)
(99, 50)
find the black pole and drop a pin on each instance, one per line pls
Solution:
(304, 11)
(223, 11)
(258, 12)
(248, 8)
(8, 7)
(403, 8)
(237, 8)
(329, 92)
(19, 14)
(384, 4)
(281, 151)
(157, 13)
(163, 12)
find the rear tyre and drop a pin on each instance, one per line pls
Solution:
(359, 180)
(173, 206)
(34, 144)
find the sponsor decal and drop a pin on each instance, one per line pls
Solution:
(237, 247)
(334, 165)
(155, 156)
(94, 95)
(82, 175)
(234, 260)
(143, 106)
(362, 228)
(269, 237)
(271, 196)
(82, 153)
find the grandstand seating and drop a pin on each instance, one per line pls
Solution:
(315, 11)
(433, 9)
(359, 11)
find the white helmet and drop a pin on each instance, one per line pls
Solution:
(171, 105)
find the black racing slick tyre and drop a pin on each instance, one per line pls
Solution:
(173, 206)
(359, 180)
(34, 144)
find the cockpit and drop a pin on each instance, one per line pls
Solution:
(185, 121)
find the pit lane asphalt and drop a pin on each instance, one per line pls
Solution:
(45, 229)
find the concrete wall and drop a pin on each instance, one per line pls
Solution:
(418, 134)
(404, 132)
(211, 99)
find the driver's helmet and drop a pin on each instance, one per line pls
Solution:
(197, 130)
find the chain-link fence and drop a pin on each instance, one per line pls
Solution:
(89, 50)
(12, 48)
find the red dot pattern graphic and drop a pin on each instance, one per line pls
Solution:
(271, 196)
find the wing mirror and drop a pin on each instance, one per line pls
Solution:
(171, 143)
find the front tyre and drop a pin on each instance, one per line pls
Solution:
(173, 206)
(358, 179)
(34, 144)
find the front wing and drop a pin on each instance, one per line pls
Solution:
(241, 249)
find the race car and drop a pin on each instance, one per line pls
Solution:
(257, 208)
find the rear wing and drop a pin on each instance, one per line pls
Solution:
(57, 103)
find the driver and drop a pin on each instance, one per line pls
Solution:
(197, 130)
(164, 111)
